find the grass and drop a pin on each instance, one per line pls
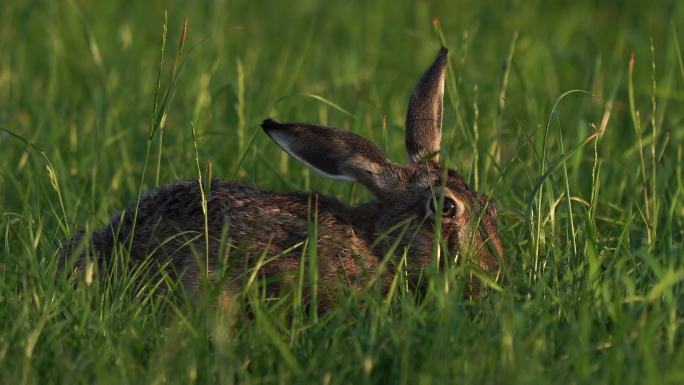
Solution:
(588, 185)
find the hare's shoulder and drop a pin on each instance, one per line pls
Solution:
(291, 209)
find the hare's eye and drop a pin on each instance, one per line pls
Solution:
(448, 209)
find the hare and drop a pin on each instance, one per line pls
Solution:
(268, 231)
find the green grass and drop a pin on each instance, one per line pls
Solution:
(595, 289)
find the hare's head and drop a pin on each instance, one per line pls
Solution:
(413, 199)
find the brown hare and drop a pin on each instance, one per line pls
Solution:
(268, 231)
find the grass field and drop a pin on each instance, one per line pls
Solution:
(571, 116)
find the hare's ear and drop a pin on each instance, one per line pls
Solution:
(336, 153)
(424, 115)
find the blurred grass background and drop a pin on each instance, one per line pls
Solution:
(594, 293)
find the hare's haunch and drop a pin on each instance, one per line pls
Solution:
(352, 242)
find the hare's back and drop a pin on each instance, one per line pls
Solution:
(171, 220)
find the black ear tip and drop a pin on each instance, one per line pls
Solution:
(442, 54)
(269, 124)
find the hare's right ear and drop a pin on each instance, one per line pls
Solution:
(337, 154)
(424, 114)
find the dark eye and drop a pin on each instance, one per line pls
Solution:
(448, 209)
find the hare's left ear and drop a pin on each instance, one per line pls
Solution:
(424, 115)
(337, 154)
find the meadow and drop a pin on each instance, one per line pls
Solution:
(569, 114)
